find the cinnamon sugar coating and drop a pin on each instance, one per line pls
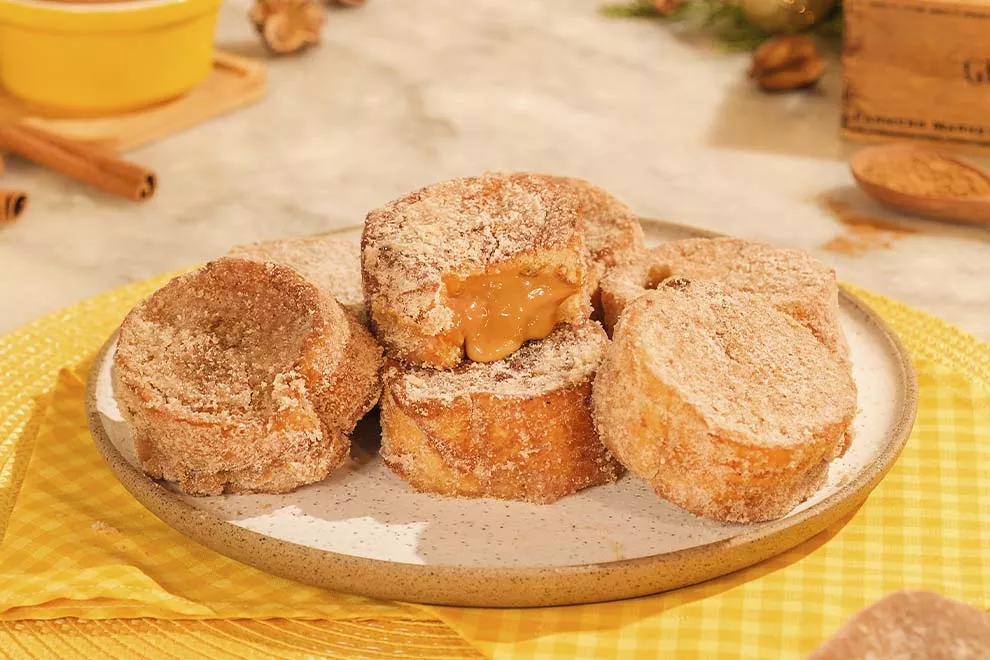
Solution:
(519, 428)
(790, 280)
(911, 625)
(461, 228)
(612, 233)
(328, 260)
(730, 408)
(243, 376)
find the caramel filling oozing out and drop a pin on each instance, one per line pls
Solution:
(500, 309)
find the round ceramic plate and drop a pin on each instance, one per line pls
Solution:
(363, 530)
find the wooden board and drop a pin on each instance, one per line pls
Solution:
(233, 83)
(917, 69)
(364, 531)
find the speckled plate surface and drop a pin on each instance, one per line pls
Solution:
(362, 530)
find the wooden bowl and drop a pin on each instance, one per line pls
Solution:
(962, 209)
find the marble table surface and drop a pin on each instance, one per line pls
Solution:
(401, 94)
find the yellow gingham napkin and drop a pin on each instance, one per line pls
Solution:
(78, 545)
(926, 526)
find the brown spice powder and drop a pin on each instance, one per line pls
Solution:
(864, 233)
(920, 173)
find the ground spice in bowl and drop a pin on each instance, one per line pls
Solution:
(928, 174)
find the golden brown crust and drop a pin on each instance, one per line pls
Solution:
(328, 260)
(790, 280)
(243, 377)
(519, 429)
(460, 228)
(728, 407)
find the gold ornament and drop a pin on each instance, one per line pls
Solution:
(776, 16)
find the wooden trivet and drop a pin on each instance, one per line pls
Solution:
(234, 82)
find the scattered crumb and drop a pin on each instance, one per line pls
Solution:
(863, 233)
(103, 528)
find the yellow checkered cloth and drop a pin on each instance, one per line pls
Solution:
(77, 545)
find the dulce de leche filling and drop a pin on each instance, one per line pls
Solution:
(500, 309)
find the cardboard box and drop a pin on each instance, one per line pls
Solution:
(917, 70)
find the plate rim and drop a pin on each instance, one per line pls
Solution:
(479, 586)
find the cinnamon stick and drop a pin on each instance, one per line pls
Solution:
(12, 204)
(82, 162)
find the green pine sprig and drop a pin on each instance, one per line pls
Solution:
(635, 9)
(723, 19)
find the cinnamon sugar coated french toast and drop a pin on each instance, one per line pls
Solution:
(469, 308)
(478, 266)
(243, 377)
(913, 625)
(327, 260)
(519, 428)
(730, 408)
(790, 280)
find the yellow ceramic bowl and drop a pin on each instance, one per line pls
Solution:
(86, 59)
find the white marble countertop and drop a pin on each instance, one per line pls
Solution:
(401, 94)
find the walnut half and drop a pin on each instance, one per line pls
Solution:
(789, 62)
(287, 25)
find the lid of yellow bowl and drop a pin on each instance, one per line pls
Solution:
(101, 15)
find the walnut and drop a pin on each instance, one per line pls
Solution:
(785, 63)
(287, 25)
